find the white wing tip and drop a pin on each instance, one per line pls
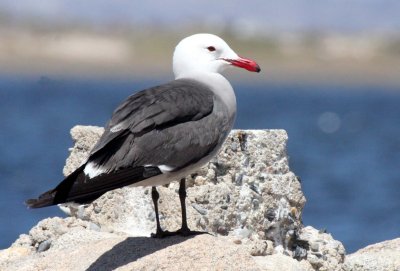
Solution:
(92, 170)
(163, 168)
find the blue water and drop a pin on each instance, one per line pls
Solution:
(344, 143)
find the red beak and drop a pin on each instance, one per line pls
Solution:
(244, 63)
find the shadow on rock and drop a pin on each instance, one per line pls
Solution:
(131, 249)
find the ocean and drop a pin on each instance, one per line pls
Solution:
(344, 143)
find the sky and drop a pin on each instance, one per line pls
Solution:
(272, 15)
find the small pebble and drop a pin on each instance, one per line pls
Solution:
(234, 146)
(270, 214)
(314, 246)
(256, 203)
(300, 253)
(43, 246)
(239, 179)
(97, 209)
(200, 209)
(94, 227)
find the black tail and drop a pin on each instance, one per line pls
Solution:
(45, 199)
(78, 189)
(58, 194)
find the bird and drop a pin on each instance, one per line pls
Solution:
(163, 133)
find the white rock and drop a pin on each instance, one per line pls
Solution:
(322, 251)
(377, 257)
(247, 191)
(279, 262)
(249, 179)
(80, 248)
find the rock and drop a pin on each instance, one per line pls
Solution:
(13, 255)
(81, 149)
(43, 246)
(43, 235)
(376, 257)
(319, 249)
(246, 191)
(81, 248)
(259, 247)
(248, 185)
(282, 262)
(246, 197)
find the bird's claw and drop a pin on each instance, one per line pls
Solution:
(181, 232)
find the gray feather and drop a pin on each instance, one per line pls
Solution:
(173, 124)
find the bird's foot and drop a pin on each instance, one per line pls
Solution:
(162, 234)
(181, 232)
(185, 231)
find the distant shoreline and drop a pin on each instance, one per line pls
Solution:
(270, 75)
(86, 54)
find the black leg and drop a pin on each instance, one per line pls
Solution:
(184, 230)
(182, 197)
(155, 196)
(159, 232)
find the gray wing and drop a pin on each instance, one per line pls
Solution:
(172, 125)
(153, 126)
(157, 108)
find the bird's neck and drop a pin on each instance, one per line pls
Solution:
(218, 84)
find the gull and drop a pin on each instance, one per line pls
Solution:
(163, 133)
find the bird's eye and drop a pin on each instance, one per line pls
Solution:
(211, 48)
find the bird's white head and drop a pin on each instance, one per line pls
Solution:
(207, 53)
